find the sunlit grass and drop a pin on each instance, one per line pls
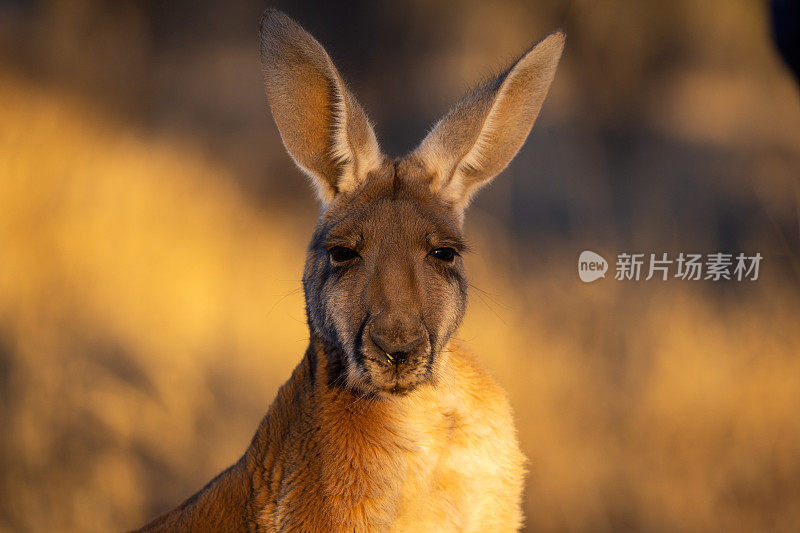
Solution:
(148, 312)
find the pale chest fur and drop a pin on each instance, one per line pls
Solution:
(465, 467)
(444, 458)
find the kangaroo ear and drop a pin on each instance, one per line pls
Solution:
(483, 133)
(322, 126)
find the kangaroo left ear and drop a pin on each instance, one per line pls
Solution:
(483, 133)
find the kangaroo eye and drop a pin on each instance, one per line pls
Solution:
(341, 254)
(446, 254)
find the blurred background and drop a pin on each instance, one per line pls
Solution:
(152, 236)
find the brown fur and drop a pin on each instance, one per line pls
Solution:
(387, 424)
(442, 458)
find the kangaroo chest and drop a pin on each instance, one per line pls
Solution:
(439, 489)
(415, 470)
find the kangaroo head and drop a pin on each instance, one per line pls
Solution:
(384, 278)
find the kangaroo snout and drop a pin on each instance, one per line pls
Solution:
(399, 336)
(398, 345)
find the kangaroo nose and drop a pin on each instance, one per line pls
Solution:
(395, 345)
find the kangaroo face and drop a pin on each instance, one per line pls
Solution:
(384, 279)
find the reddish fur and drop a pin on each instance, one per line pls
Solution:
(361, 439)
(326, 459)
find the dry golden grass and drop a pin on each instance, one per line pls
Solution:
(147, 316)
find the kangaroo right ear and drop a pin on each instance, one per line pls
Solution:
(322, 126)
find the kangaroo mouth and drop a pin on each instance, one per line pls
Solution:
(388, 376)
(397, 390)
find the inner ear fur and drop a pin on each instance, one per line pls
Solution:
(322, 126)
(481, 135)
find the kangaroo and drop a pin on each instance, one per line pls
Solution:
(387, 423)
